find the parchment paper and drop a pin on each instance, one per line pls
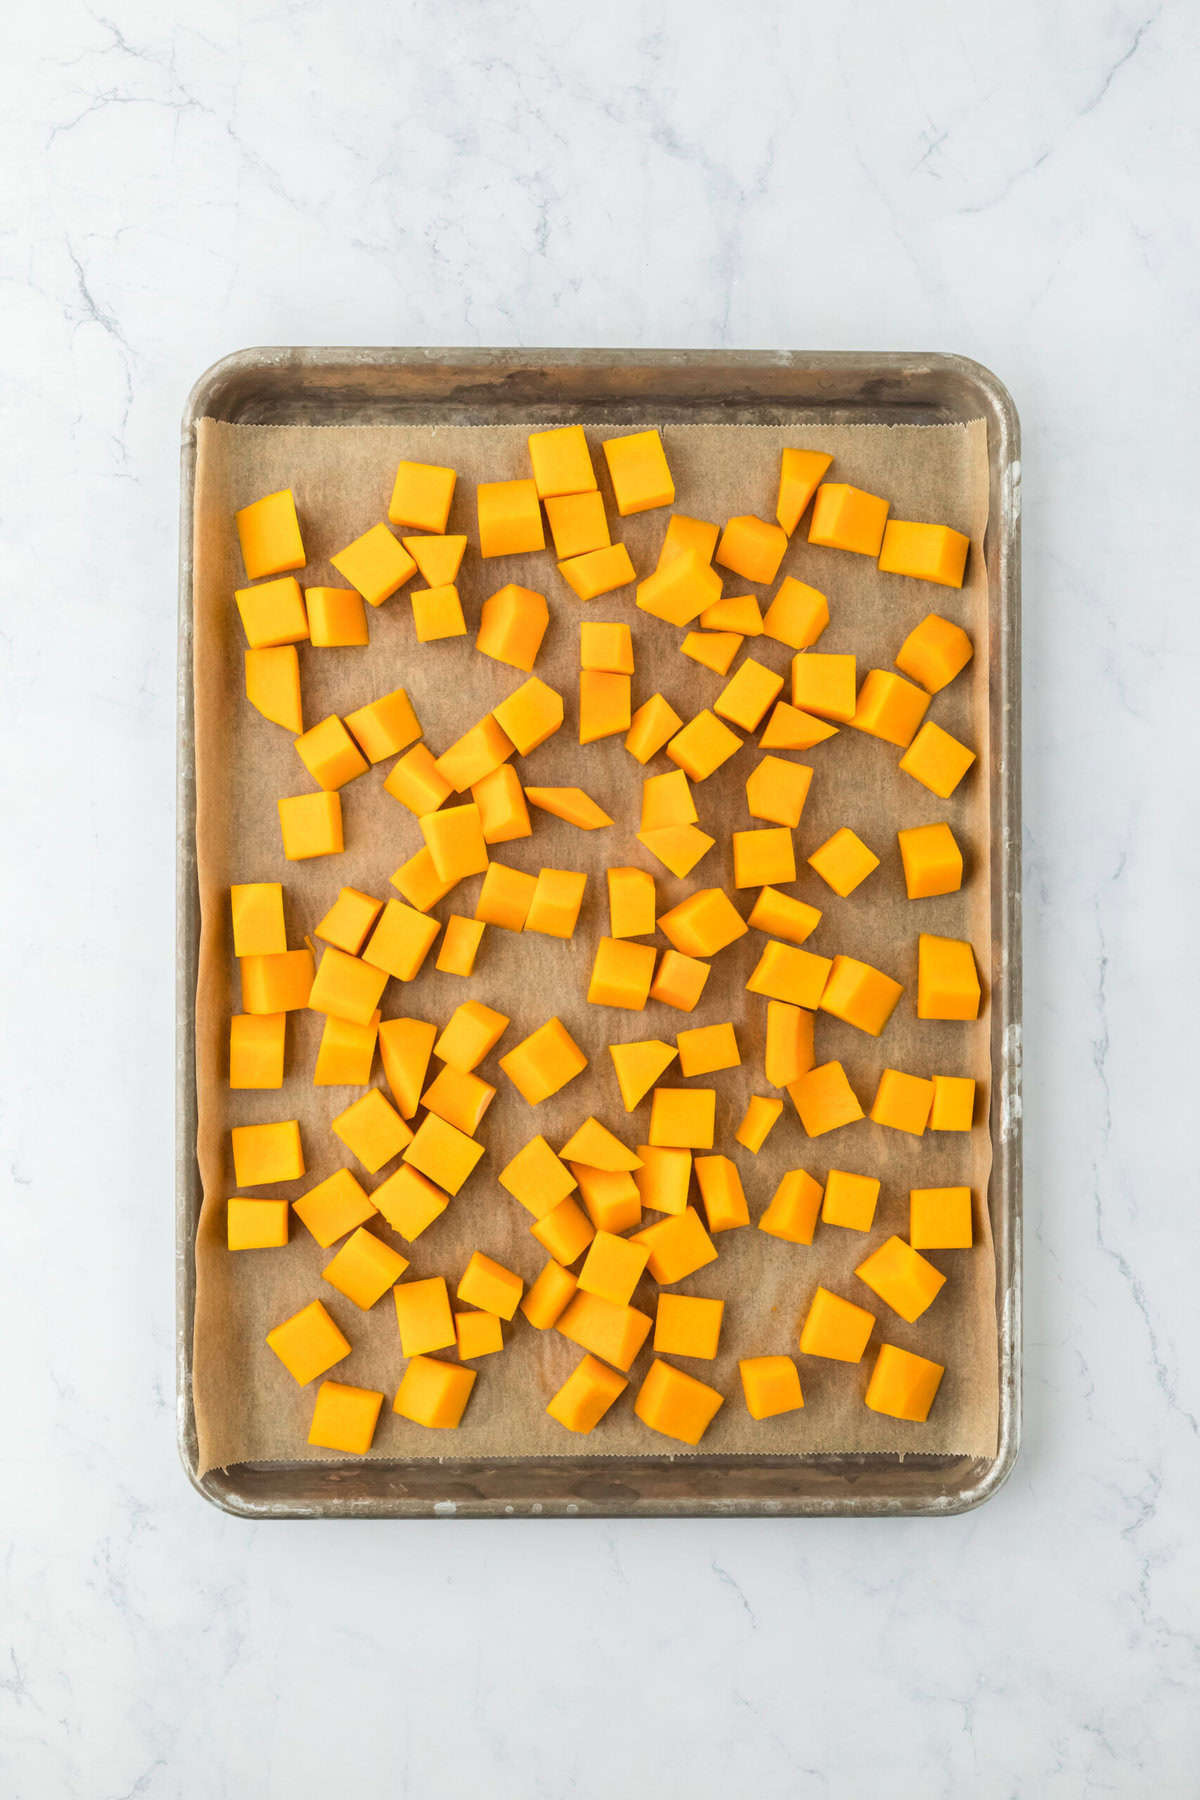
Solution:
(247, 1407)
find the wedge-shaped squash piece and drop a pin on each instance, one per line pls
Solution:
(801, 473)
(437, 557)
(680, 590)
(638, 1066)
(788, 728)
(594, 1144)
(704, 923)
(714, 650)
(678, 847)
(273, 685)
(571, 804)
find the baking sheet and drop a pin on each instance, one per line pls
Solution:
(247, 1407)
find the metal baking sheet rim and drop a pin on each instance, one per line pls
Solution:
(307, 384)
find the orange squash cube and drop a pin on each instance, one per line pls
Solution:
(903, 1102)
(479, 1334)
(372, 1130)
(847, 518)
(771, 1385)
(763, 856)
(308, 1343)
(348, 920)
(677, 847)
(860, 995)
(423, 1316)
(454, 838)
(586, 1395)
(330, 754)
(678, 1245)
(652, 725)
(800, 474)
(459, 1097)
(676, 1405)
(758, 1121)
(545, 1299)
(738, 613)
(256, 1050)
(825, 685)
(562, 462)
(404, 1047)
(630, 903)
(713, 650)
(344, 1418)
(928, 552)
(607, 1328)
(722, 1193)
(256, 1224)
(785, 972)
(748, 695)
(512, 624)
(478, 753)
(335, 1206)
(902, 1278)
(613, 1267)
(530, 715)
(707, 1048)
(934, 652)
(850, 1200)
(790, 729)
(438, 557)
(537, 1178)
(835, 1328)
(269, 534)
(510, 518)
(703, 745)
(638, 1067)
(385, 726)
(434, 1393)
(471, 1031)
(683, 1118)
(557, 898)
(416, 781)
(276, 984)
(610, 1197)
(460, 945)
(565, 1231)
(902, 1385)
(687, 537)
(953, 1106)
(679, 590)
(376, 564)
(667, 800)
(336, 617)
(544, 1062)
(776, 790)
(490, 1286)
(824, 1099)
(947, 979)
(419, 882)
(664, 1178)
(505, 896)
(443, 1152)
(752, 548)
(889, 707)
(688, 1325)
(843, 861)
(346, 987)
(940, 1218)
(794, 1208)
(257, 911)
(604, 707)
(788, 1052)
(364, 1268)
(637, 468)
(503, 814)
(704, 923)
(679, 980)
(621, 974)
(937, 760)
(578, 523)
(347, 1053)
(598, 571)
(797, 615)
(401, 940)
(410, 1202)
(273, 684)
(267, 1153)
(606, 647)
(782, 916)
(932, 861)
(437, 614)
(311, 825)
(421, 496)
(273, 614)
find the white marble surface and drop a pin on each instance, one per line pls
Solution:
(1017, 183)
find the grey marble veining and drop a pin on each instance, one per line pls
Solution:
(1015, 183)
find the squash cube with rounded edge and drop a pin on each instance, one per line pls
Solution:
(676, 1405)
(337, 617)
(770, 1385)
(934, 652)
(545, 1299)
(794, 1208)
(512, 624)
(586, 1395)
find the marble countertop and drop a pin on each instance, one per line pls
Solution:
(1016, 184)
